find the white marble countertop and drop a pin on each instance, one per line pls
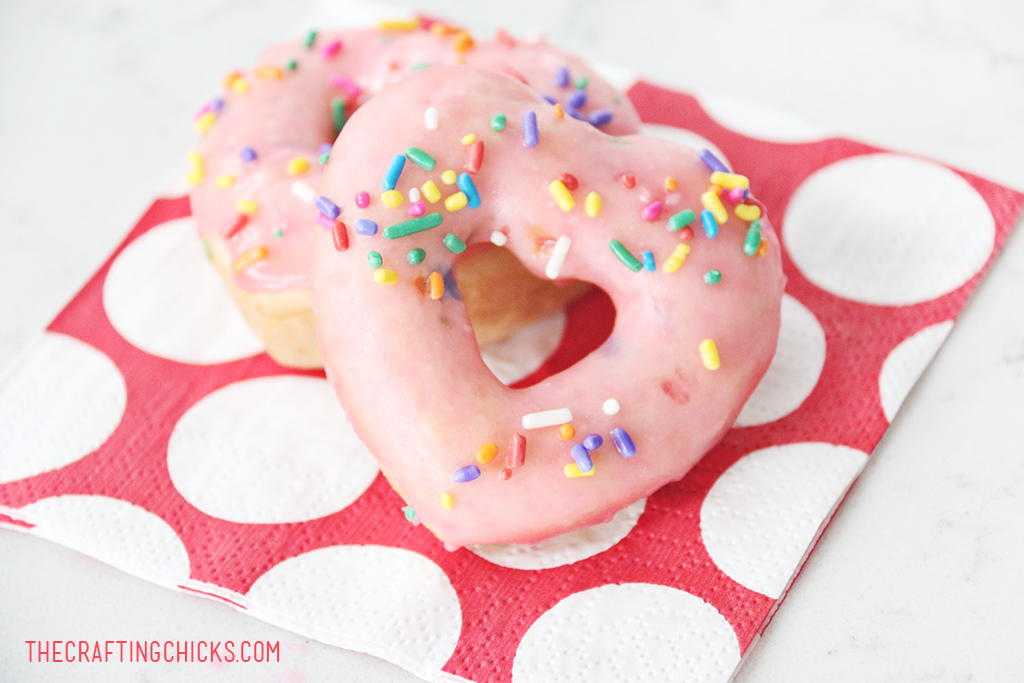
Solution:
(917, 578)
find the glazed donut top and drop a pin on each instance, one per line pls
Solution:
(692, 266)
(260, 160)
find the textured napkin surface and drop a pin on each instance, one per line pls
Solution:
(146, 427)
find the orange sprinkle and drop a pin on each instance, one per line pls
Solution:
(486, 453)
(268, 72)
(247, 258)
(671, 184)
(439, 29)
(762, 249)
(436, 285)
(462, 42)
(566, 432)
(229, 80)
(559, 112)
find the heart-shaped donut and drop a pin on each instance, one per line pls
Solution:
(692, 267)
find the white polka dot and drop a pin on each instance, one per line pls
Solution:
(888, 229)
(59, 402)
(567, 548)
(905, 364)
(630, 632)
(269, 450)
(114, 531)
(763, 513)
(683, 137)
(758, 120)
(520, 354)
(388, 602)
(794, 371)
(164, 297)
(611, 407)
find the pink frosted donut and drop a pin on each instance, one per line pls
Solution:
(259, 162)
(697, 303)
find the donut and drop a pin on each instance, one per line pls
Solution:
(688, 258)
(256, 169)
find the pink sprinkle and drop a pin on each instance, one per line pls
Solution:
(417, 209)
(346, 85)
(324, 222)
(736, 195)
(202, 110)
(362, 199)
(651, 211)
(330, 49)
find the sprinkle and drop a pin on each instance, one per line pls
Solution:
(709, 354)
(582, 458)
(648, 259)
(366, 227)
(558, 254)
(677, 258)
(747, 212)
(505, 473)
(562, 77)
(326, 207)
(681, 219)
(651, 211)
(394, 171)
(239, 85)
(297, 166)
(247, 258)
(516, 455)
(241, 220)
(466, 474)
(737, 194)
(713, 203)
(375, 259)
(569, 180)
(230, 78)
(686, 233)
(456, 201)
(310, 37)
(625, 257)
(324, 222)
(436, 281)
(448, 177)
(763, 249)
(293, 65)
(530, 134)
(623, 443)
(592, 442)
(592, 205)
(467, 185)
(325, 148)
(412, 226)
(710, 226)
(474, 156)
(462, 42)
(204, 122)
(446, 501)
(713, 277)
(711, 161)
(753, 241)
(468, 139)
(414, 194)
(330, 49)
(486, 453)
(304, 192)
(224, 181)
(576, 99)
(410, 515)
(498, 238)
(566, 432)
(572, 471)
(729, 180)
(454, 243)
(430, 118)
(340, 235)
(558, 111)
(420, 158)
(195, 175)
(430, 191)
(415, 256)
(267, 71)
(398, 25)
(417, 209)
(600, 117)
(346, 85)
(628, 182)
(562, 195)
(582, 82)
(498, 122)
(246, 206)
(383, 276)
(671, 184)
(362, 199)
(547, 418)
(248, 154)
(392, 199)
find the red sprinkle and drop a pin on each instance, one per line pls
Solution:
(569, 180)
(340, 234)
(505, 474)
(516, 455)
(504, 38)
(686, 234)
(628, 182)
(240, 222)
(514, 74)
(475, 156)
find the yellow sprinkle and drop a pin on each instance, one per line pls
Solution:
(195, 160)
(566, 432)
(246, 206)
(468, 139)
(247, 258)
(448, 177)
(747, 212)
(239, 85)
(730, 181)
(486, 453)
(392, 199)
(268, 72)
(559, 112)
(462, 41)
(195, 176)
(399, 25)
(230, 79)
(671, 184)
(572, 471)
(713, 204)
(562, 195)
(676, 259)
(224, 181)
(446, 501)
(204, 122)
(762, 249)
(436, 285)
(709, 354)
(593, 204)
(456, 201)
(430, 191)
(297, 166)
(383, 276)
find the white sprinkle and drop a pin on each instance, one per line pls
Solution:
(414, 195)
(430, 118)
(554, 266)
(547, 418)
(499, 238)
(303, 192)
(610, 407)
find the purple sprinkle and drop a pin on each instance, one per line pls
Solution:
(248, 154)
(592, 442)
(562, 76)
(651, 211)
(326, 207)
(623, 443)
(216, 104)
(575, 114)
(577, 99)
(530, 134)
(711, 161)
(326, 148)
(324, 221)
(366, 227)
(601, 117)
(582, 458)
(467, 473)
(649, 261)
(548, 98)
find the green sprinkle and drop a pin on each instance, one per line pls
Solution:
(498, 122)
(454, 244)
(416, 256)
(410, 514)
(617, 98)
(681, 219)
(293, 65)
(376, 260)
(753, 242)
(419, 66)
(277, 233)
(713, 277)
(420, 158)
(324, 157)
(310, 38)
(581, 82)
(338, 114)
(628, 260)
(413, 226)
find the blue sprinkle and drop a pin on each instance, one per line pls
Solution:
(592, 442)
(248, 154)
(710, 224)
(326, 207)
(549, 99)
(394, 170)
(562, 76)
(577, 99)
(601, 117)
(649, 261)
(217, 103)
(366, 227)
(530, 135)
(466, 184)
(467, 473)
(582, 458)
(711, 161)
(623, 443)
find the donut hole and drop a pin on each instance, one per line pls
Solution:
(517, 316)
